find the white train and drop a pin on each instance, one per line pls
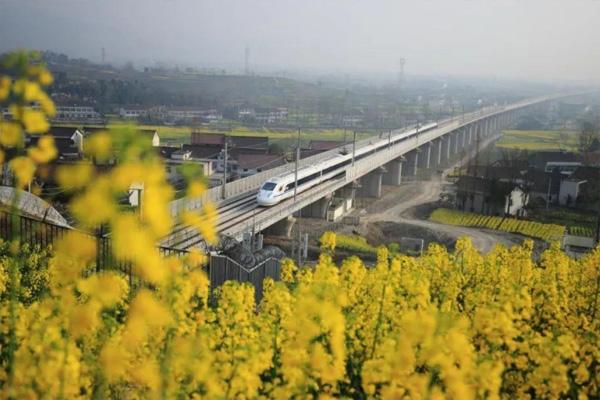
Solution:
(281, 187)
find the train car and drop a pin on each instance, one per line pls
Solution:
(281, 187)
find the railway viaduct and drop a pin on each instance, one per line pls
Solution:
(412, 158)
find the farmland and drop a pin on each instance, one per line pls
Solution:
(547, 232)
(181, 134)
(286, 136)
(539, 140)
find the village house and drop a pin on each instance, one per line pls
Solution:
(490, 196)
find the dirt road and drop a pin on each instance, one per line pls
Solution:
(419, 194)
(403, 206)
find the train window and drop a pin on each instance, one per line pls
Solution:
(268, 186)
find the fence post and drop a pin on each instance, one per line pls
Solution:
(99, 248)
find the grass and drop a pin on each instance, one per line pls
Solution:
(539, 140)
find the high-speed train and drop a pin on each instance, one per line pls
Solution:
(281, 187)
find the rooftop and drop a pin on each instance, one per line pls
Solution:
(259, 161)
(324, 145)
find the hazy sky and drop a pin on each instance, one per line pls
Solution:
(541, 39)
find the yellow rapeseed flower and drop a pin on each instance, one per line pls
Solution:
(4, 87)
(84, 319)
(114, 360)
(35, 121)
(44, 151)
(10, 134)
(45, 77)
(75, 176)
(23, 168)
(205, 222)
(147, 308)
(107, 288)
(98, 145)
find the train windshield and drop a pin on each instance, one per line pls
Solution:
(269, 186)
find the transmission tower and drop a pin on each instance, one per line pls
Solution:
(401, 73)
(103, 52)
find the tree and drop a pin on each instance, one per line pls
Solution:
(589, 138)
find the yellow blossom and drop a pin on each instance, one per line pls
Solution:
(75, 176)
(35, 121)
(44, 151)
(10, 134)
(23, 168)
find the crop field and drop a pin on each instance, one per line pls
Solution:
(182, 134)
(578, 230)
(547, 232)
(539, 140)
(578, 222)
(356, 244)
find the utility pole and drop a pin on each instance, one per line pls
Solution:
(353, 146)
(598, 211)
(296, 166)
(299, 248)
(548, 194)
(224, 169)
(345, 141)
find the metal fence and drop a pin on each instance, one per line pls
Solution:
(222, 269)
(34, 232)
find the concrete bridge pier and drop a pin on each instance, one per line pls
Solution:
(412, 163)
(469, 134)
(437, 151)
(393, 176)
(473, 132)
(425, 161)
(425, 158)
(344, 200)
(318, 209)
(455, 139)
(281, 228)
(447, 148)
(348, 191)
(488, 127)
(463, 137)
(371, 183)
(494, 125)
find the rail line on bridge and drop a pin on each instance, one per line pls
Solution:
(239, 212)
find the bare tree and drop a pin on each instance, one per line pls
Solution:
(589, 138)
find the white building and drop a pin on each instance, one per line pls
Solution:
(132, 113)
(271, 116)
(351, 120)
(76, 113)
(185, 114)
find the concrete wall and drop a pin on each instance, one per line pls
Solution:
(569, 190)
